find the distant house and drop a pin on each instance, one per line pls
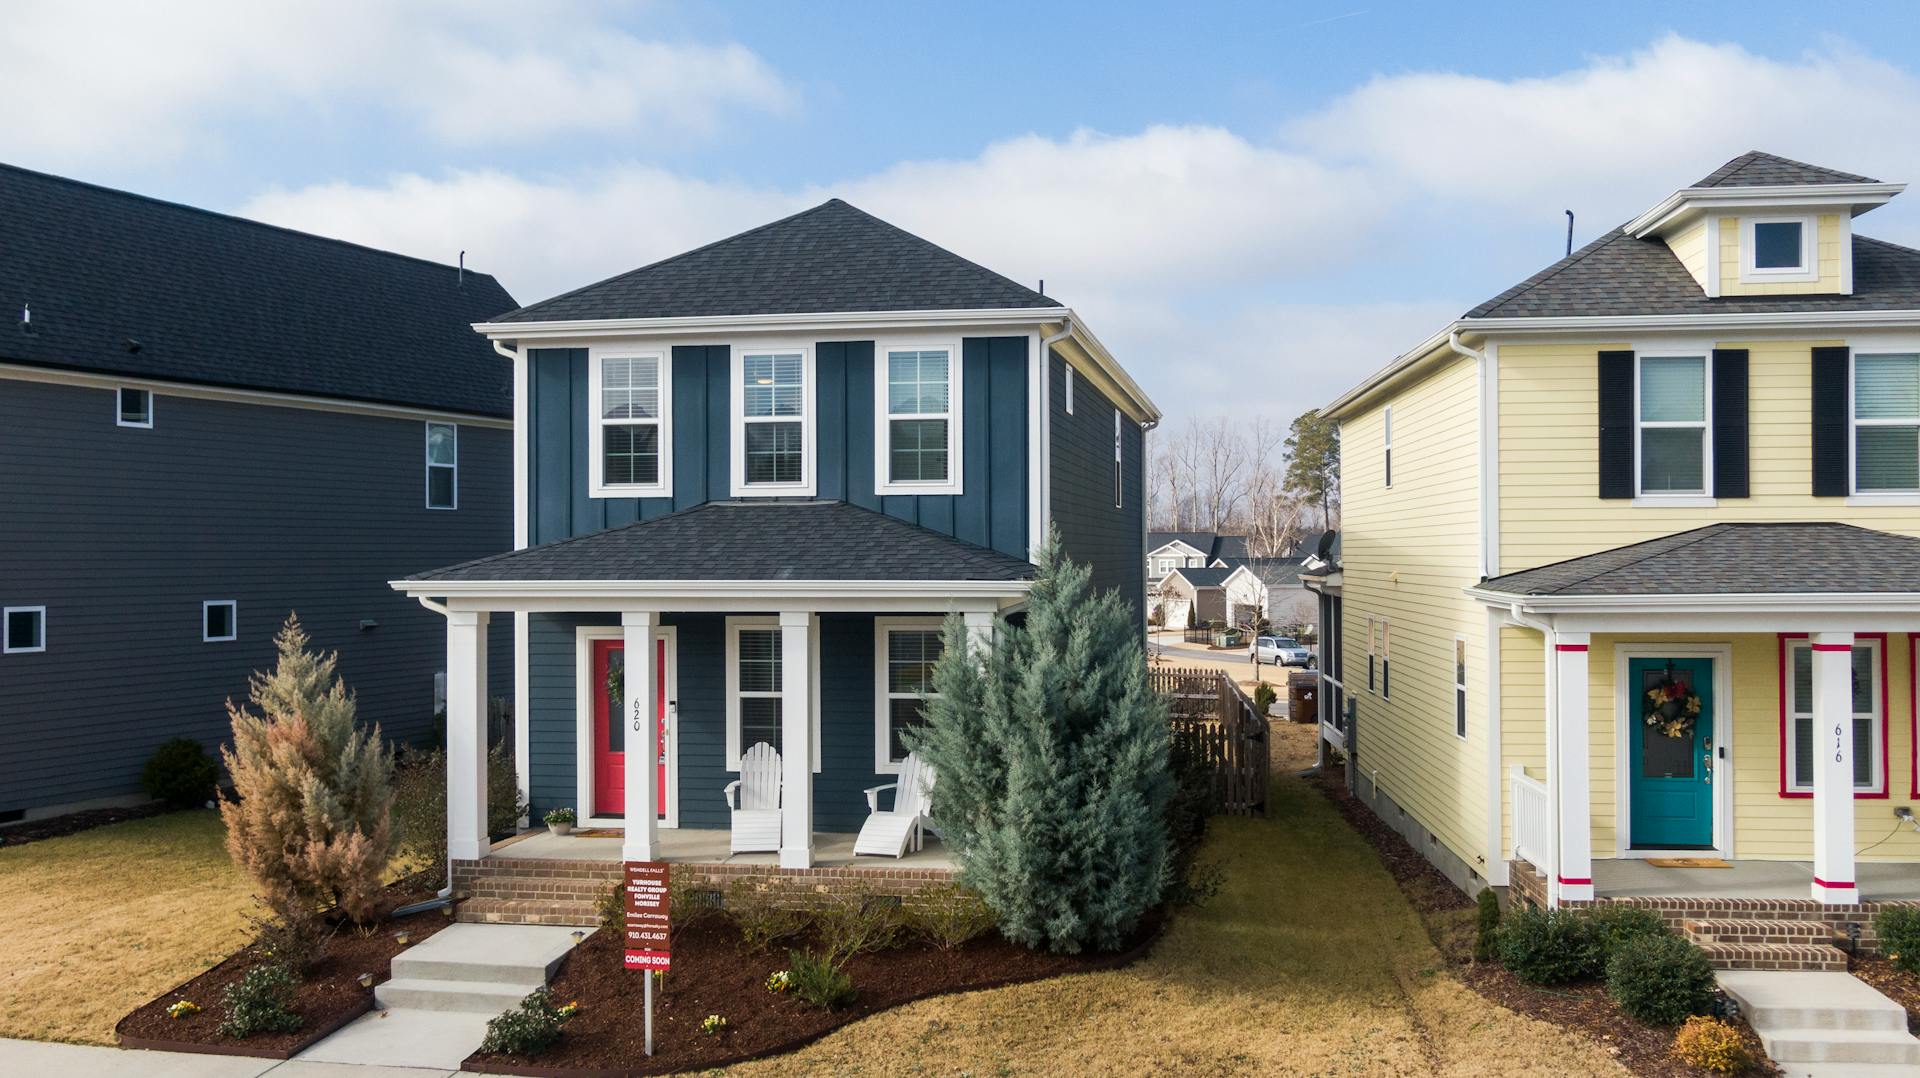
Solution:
(207, 423)
(1167, 551)
(1238, 592)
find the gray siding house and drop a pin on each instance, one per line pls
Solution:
(207, 423)
(756, 476)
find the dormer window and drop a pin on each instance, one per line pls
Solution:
(1777, 248)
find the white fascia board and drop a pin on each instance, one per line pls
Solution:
(768, 594)
(772, 323)
(1786, 603)
(1762, 321)
(1433, 346)
(1143, 410)
(1857, 197)
(25, 372)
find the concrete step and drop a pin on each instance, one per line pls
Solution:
(1759, 931)
(1812, 1001)
(1789, 1046)
(529, 956)
(502, 911)
(1846, 1070)
(471, 997)
(1809, 957)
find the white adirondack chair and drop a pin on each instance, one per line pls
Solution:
(892, 833)
(754, 799)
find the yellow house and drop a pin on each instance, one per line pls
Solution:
(1628, 582)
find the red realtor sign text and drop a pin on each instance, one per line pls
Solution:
(647, 937)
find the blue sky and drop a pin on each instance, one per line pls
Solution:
(1253, 204)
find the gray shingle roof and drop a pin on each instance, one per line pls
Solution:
(1756, 169)
(1273, 572)
(829, 258)
(1205, 578)
(1735, 559)
(218, 300)
(812, 540)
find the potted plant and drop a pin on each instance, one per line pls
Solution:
(560, 821)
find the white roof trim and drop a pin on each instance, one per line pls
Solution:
(1784, 602)
(1022, 316)
(1688, 199)
(770, 590)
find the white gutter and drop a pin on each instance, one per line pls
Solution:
(1445, 337)
(674, 589)
(1763, 320)
(1023, 316)
(1809, 602)
(1852, 195)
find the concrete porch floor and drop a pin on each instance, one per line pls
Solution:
(831, 849)
(1631, 877)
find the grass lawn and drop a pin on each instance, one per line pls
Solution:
(100, 922)
(1310, 962)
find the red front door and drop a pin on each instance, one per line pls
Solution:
(610, 737)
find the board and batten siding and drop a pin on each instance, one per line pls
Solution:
(1093, 531)
(123, 532)
(847, 703)
(991, 511)
(1408, 551)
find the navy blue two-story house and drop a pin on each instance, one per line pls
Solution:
(207, 423)
(751, 481)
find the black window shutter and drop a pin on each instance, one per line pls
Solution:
(1616, 424)
(1831, 403)
(1729, 422)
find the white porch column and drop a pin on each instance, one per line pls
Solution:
(796, 740)
(979, 632)
(1571, 880)
(466, 735)
(1833, 881)
(641, 838)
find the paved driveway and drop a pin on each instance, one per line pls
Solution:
(90, 1061)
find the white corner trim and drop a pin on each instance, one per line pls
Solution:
(1496, 760)
(522, 699)
(522, 520)
(882, 699)
(757, 621)
(597, 485)
(1489, 367)
(883, 416)
(808, 420)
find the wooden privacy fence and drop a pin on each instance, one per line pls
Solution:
(1215, 722)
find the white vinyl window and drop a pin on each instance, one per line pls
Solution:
(1869, 704)
(1116, 459)
(630, 438)
(25, 629)
(133, 407)
(1778, 248)
(773, 435)
(916, 423)
(443, 466)
(1373, 684)
(755, 683)
(1672, 414)
(905, 650)
(219, 620)
(1386, 660)
(1386, 445)
(1459, 687)
(1069, 389)
(1886, 423)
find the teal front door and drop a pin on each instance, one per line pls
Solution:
(1671, 785)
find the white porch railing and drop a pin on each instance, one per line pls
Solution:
(1532, 819)
(1333, 718)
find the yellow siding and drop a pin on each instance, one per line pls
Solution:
(1827, 255)
(1523, 710)
(1689, 245)
(1408, 552)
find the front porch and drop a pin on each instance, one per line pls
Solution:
(708, 847)
(1639, 877)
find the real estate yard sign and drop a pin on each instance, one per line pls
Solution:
(647, 940)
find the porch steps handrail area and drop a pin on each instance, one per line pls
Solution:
(1532, 818)
(1211, 718)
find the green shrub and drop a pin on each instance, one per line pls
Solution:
(692, 900)
(1660, 979)
(1619, 925)
(948, 915)
(760, 917)
(527, 1030)
(261, 1001)
(1898, 930)
(420, 803)
(818, 981)
(181, 774)
(612, 909)
(1486, 938)
(1551, 946)
(1714, 1045)
(292, 935)
(858, 922)
(1263, 698)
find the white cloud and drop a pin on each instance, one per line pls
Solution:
(159, 81)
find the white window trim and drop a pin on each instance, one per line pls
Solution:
(1856, 496)
(1809, 267)
(1386, 447)
(1461, 657)
(233, 620)
(426, 450)
(119, 416)
(883, 483)
(882, 718)
(597, 485)
(1373, 682)
(1877, 718)
(6, 624)
(1119, 465)
(1694, 498)
(734, 625)
(737, 420)
(1386, 660)
(1069, 389)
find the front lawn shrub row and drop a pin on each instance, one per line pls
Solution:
(530, 1029)
(1899, 932)
(1661, 980)
(816, 979)
(1550, 947)
(1654, 975)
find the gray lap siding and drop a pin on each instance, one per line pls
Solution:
(123, 532)
(1093, 531)
(846, 716)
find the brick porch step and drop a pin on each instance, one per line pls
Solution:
(1719, 930)
(505, 911)
(1776, 956)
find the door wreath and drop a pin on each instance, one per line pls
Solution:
(1671, 707)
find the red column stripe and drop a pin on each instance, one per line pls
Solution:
(1573, 882)
(1570, 647)
(1833, 647)
(1835, 886)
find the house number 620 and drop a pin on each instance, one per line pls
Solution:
(638, 716)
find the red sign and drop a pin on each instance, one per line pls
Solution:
(647, 899)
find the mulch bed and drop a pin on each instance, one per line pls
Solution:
(19, 834)
(328, 998)
(712, 975)
(1891, 981)
(1584, 1008)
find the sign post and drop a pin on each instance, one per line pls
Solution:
(649, 946)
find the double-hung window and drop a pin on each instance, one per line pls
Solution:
(1373, 685)
(1386, 660)
(1800, 739)
(1386, 446)
(918, 425)
(1672, 420)
(443, 466)
(630, 443)
(1886, 423)
(905, 650)
(1459, 687)
(773, 420)
(756, 701)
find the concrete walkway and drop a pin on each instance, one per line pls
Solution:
(92, 1061)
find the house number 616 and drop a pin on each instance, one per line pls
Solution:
(1839, 742)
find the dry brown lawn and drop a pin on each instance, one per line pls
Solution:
(1310, 962)
(100, 922)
